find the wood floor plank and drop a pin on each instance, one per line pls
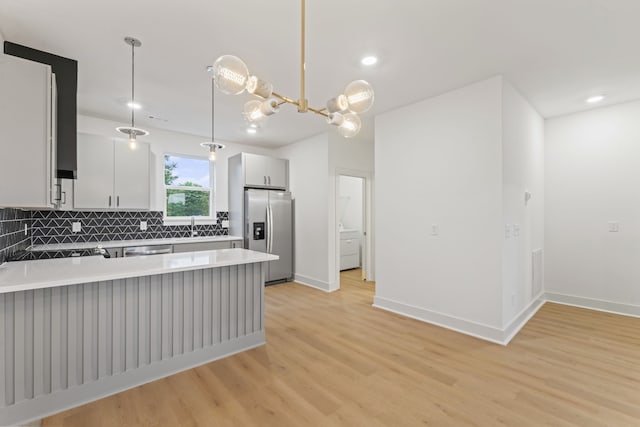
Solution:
(334, 360)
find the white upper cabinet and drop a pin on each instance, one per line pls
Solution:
(111, 175)
(27, 137)
(265, 172)
(94, 186)
(131, 188)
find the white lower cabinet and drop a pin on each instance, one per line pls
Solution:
(111, 175)
(349, 253)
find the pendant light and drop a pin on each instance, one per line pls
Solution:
(212, 145)
(132, 131)
(232, 77)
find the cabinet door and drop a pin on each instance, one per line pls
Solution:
(255, 170)
(25, 133)
(94, 187)
(131, 176)
(277, 173)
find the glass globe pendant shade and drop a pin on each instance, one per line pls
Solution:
(253, 112)
(350, 125)
(359, 95)
(230, 74)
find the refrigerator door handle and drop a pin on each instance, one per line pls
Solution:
(270, 229)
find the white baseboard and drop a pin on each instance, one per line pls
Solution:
(312, 283)
(594, 304)
(467, 327)
(518, 322)
(478, 330)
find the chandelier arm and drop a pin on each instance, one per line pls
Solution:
(285, 98)
(318, 112)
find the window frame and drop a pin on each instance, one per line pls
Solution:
(185, 220)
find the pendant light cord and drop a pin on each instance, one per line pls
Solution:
(133, 109)
(213, 109)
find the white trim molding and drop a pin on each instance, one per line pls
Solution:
(313, 283)
(467, 327)
(594, 304)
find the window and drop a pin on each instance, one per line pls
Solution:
(188, 185)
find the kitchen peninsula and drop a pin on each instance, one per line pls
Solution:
(73, 330)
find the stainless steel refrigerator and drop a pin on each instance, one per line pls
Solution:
(268, 226)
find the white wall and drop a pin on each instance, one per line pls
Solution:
(308, 160)
(439, 162)
(592, 167)
(352, 156)
(522, 170)
(350, 195)
(162, 141)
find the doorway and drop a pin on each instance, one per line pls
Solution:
(353, 226)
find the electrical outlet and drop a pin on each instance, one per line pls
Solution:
(76, 227)
(143, 225)
(516, 230)
(435, 229)
(225, 223)
(507, 231)
(614, 227)
(26, 230)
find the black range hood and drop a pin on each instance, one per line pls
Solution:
(66, 71)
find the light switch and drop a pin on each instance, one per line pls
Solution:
(435, 229)
(614, 227)
(507, 231)
(76, 227)
(143, 225)
(516, 230)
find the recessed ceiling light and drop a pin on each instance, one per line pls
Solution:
(595, 99)
(252, 130)
(209, 68)
(134, 105)
(369, 60)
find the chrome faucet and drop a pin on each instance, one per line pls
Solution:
(194, 233)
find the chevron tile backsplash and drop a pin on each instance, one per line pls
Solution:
(51, 227)
(12, 237)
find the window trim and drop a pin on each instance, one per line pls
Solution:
(186, 220)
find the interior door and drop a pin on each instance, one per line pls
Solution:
(256, 202)
(281, 237)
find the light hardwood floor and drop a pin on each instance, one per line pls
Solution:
(333, 360)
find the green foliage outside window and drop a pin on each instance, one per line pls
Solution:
(184, 201)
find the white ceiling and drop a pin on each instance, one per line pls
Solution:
(557, 52)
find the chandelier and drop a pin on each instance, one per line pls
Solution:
(232, 77)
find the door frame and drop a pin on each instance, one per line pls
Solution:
(368, 244)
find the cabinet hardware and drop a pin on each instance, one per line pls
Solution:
(109, 201)
(64, 199)
(265, 179)
(118, 201)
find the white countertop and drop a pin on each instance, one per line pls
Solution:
(49, 273)
(129, 243)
